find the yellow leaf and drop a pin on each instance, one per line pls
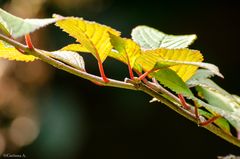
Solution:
(127, 50)
(75, 47)
(9, 52)
(92, 36)
(149, 58)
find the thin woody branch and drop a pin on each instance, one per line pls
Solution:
(129, 84)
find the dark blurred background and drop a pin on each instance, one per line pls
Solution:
(47, 113)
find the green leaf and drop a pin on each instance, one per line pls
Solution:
(92, 36)
(18, 27)
(221, 104)
(170, 79)
(150, 38)
(68, 57)
(11, 53)
(126, 48)
(209, 84)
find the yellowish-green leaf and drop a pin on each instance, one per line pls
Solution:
(127, 50)
(213, 68)
(149, 58)
(69, 57)
(18, 27)
(9, 52)
(92, 36)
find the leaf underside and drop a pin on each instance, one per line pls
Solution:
(69, 57)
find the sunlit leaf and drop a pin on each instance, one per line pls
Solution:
(149, 58)
(9, 52)
(150, 38)
(18, 27)
(126, 48)
(68, 57)
(92, 36)
(75, 47)
(213, 68)
(113, 54)
(170, 79)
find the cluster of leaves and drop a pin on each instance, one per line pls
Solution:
(150, 54)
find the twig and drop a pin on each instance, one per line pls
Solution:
(130, 84)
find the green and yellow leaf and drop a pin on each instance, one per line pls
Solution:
(11, 53)
(92, 36)
(127, 50)
(149, 59)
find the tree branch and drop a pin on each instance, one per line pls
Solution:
(62, 66)
(129, 84)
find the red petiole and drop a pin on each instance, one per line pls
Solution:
(209, 121)
(100, 66)
(146, 74)
(183, 102)
(29, 41)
